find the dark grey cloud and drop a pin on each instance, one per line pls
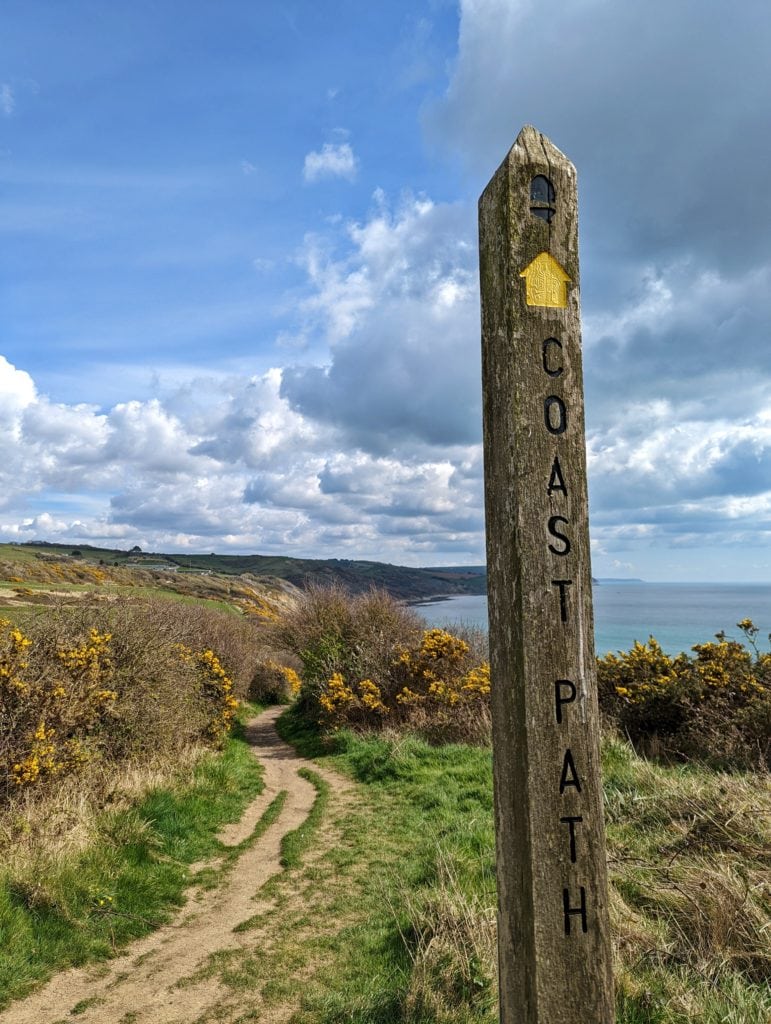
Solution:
(662, 106)
(382, 390)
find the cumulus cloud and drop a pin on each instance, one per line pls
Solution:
(331, 161)
(219, 463)
(399, 312)
(678, 388)
(676, 257)
(367, 443)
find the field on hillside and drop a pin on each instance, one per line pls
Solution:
(40, 576)
(119, 694)
(404, 582)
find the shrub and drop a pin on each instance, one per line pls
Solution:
(274, 682)
(331, 632)
(116, 682)
(640, 689)
(714, 705)
(367, 661)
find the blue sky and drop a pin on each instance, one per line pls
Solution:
(238, 272)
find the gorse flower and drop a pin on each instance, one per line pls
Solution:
(217, 687)
(435, 671)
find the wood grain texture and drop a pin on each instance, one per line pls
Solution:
(541, 631)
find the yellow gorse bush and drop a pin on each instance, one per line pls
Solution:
(12, 657)
(336, 698)
(260, 608)
(341, 703)
(41, 758)
(292, 678)
(30, 715)
(71, 694)
(433, 672)
(477, 680)
(715, 703)
(90, 666)
(437, 670)
(639, 674)
(217, 690)
(290, 675)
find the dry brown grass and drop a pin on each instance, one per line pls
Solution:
(690, 898)
(42, 830)
(469, 722)
(119, 683)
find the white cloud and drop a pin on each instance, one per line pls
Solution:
(7, 99)
(368, 444)
(332, 161)
(220, 463)
(399, 311)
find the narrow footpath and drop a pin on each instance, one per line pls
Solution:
(163, 978)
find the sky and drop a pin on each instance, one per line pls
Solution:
(239, 300)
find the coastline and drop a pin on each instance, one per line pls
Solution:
(678, 615)
(417, 602)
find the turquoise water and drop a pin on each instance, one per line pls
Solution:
(679, 615)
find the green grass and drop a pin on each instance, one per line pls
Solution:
(295, 843)
(129, 881)
(211, 876)
(373, 880)
(386, 910)
(403, 893)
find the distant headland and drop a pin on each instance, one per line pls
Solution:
(404, 582)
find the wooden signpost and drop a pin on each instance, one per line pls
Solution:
(553, 932)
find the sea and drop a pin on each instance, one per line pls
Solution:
(678, 615)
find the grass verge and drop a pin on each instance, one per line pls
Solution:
(210, 877)
(295, 843)
(65, 910)
(390, 917)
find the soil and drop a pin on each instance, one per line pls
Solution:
(164, 978)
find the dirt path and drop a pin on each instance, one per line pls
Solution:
(162, 979)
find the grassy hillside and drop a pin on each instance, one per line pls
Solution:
(40, 575)
(404, 582)
(386, 906)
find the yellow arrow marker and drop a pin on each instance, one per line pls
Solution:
(546, 282)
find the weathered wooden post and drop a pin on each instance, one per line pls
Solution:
(553, 932)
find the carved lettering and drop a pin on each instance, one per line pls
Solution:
(553, 371)
(559, 685)
(574, 911)
(563, 585)
(569, 776)
(556, 422)
(556, 479)
(571, 824)
(553, 521)
(548, 805)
